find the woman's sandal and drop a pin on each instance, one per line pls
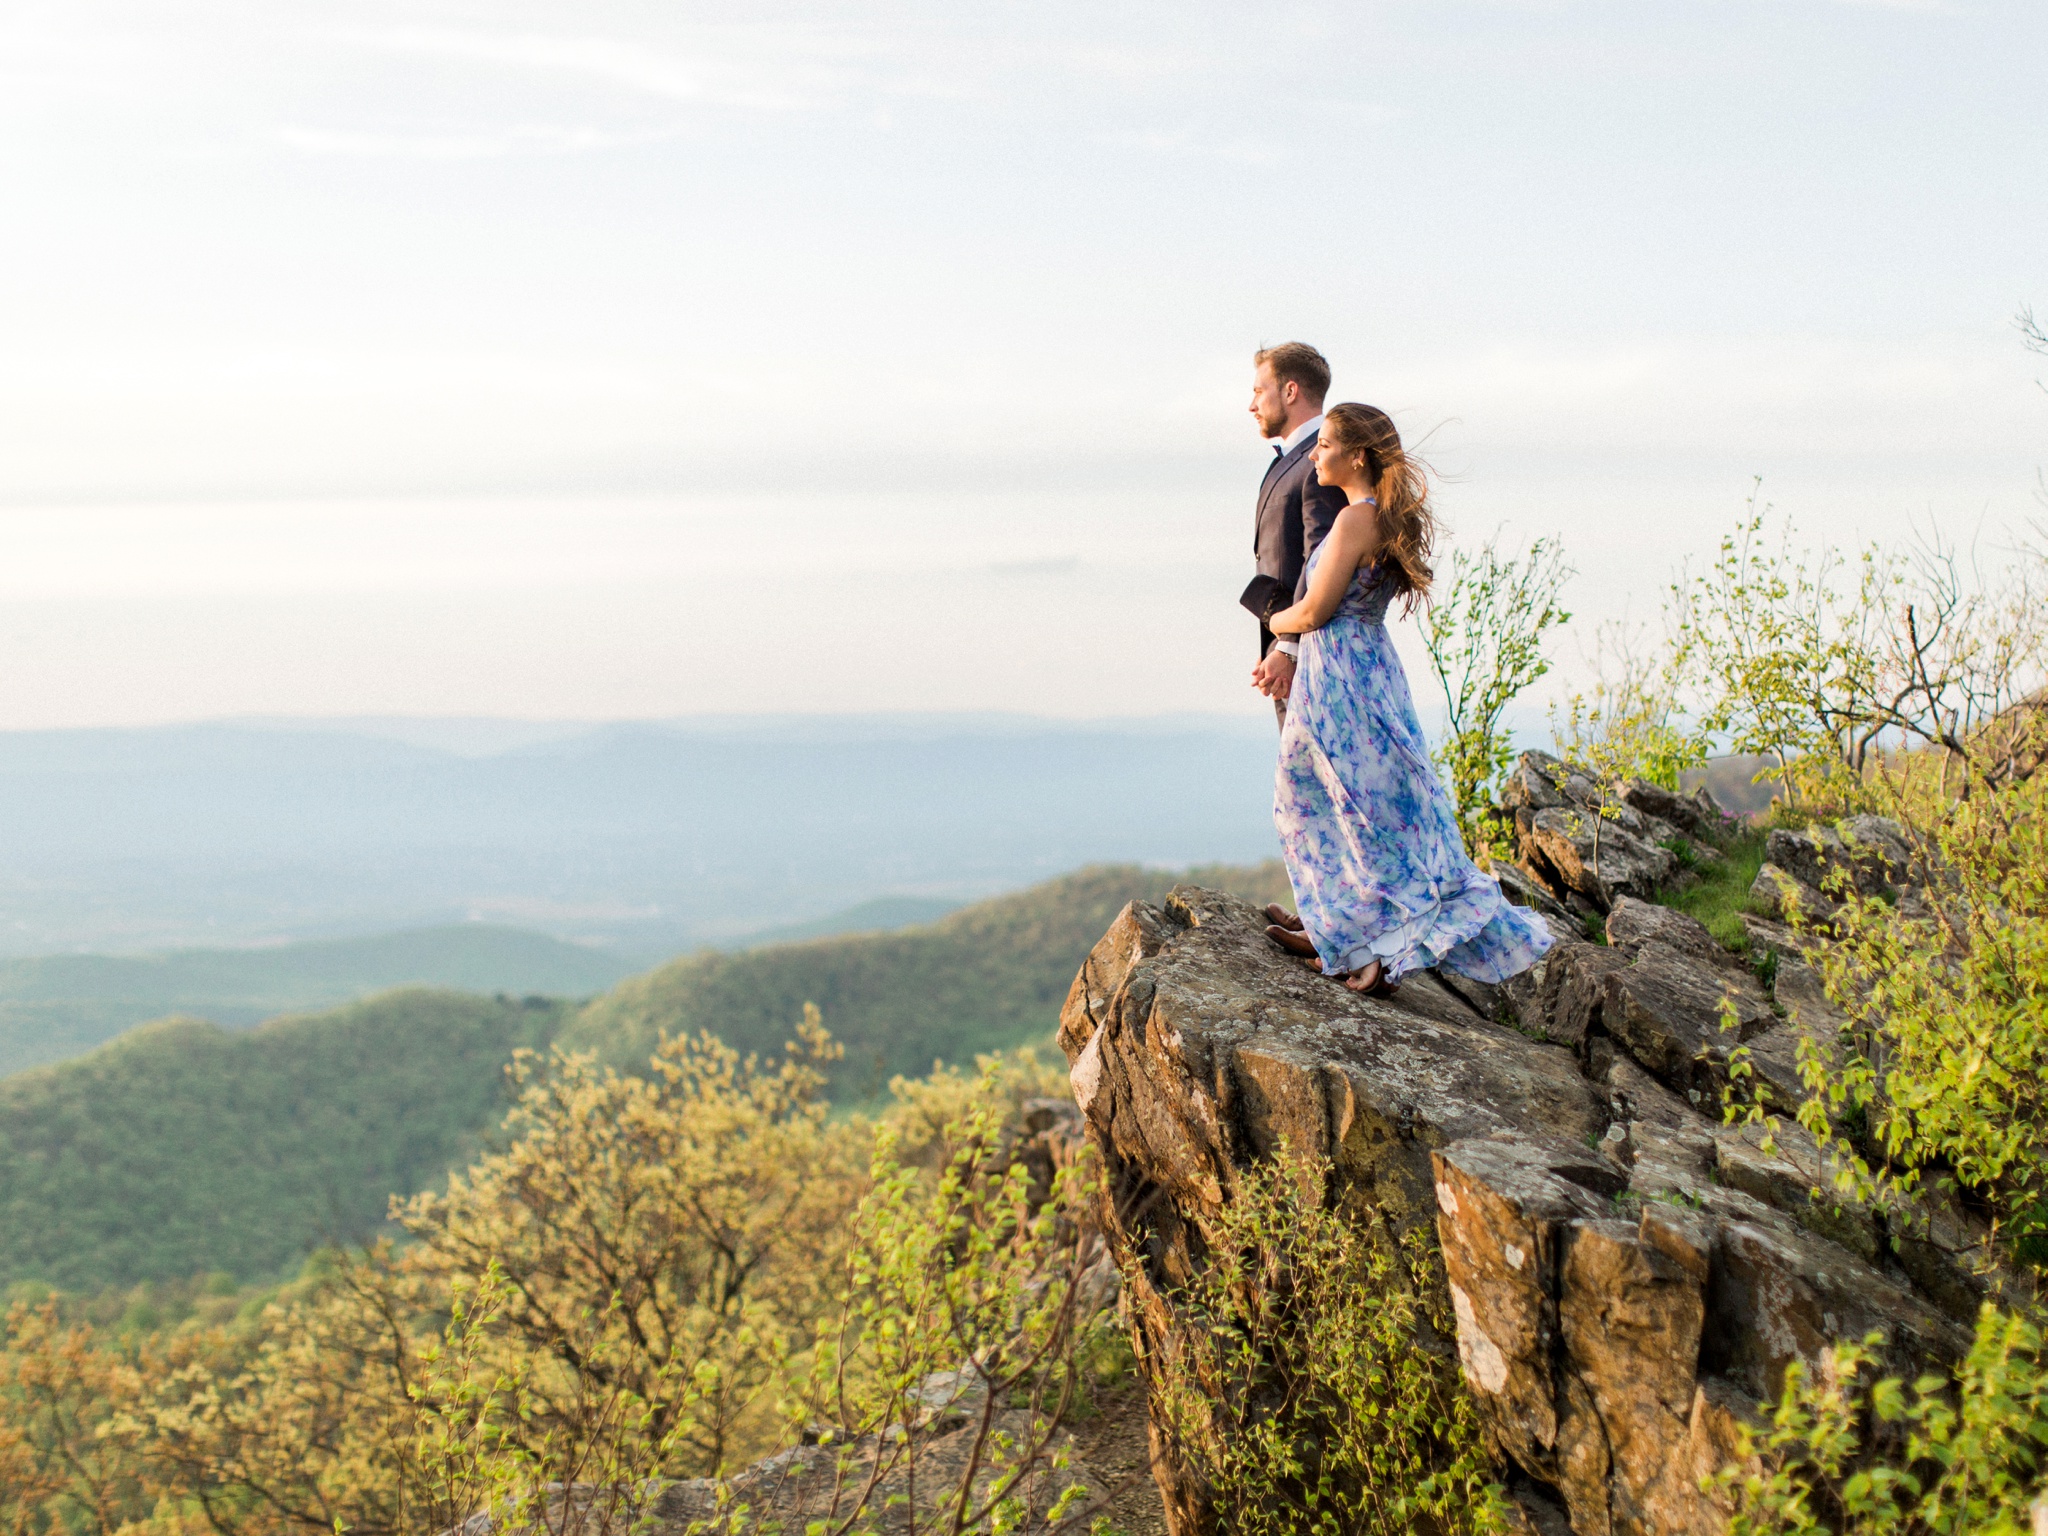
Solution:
(1293, 940)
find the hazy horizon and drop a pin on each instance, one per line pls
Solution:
(643, 838)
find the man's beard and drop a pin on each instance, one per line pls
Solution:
(1272, 426)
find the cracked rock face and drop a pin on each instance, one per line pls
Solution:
(1588, 848)
(1593, 855)
(1629, 1277)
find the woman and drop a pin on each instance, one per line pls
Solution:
(1380, 875)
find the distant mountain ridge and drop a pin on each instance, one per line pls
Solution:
(54, 1007)
(884, 914)
(987, 977)
(57, 1006)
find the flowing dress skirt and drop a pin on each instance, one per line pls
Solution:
(1369, 833)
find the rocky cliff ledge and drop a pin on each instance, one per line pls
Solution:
(1628, 1275)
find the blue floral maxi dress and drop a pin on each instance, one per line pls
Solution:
(1369, 834)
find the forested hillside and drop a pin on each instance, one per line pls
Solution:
(987, 977)
(182, 1148)
(879, 915)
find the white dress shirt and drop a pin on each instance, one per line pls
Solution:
(1287, 445)
(1301, 434)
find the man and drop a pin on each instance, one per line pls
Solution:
(1288, 385)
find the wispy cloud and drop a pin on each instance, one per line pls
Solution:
(1236, 151)
(1133, 64)
(486, 145)
(747, 69)
(788, 68)
(1923, 7)
(752, 70)
(1248, 147)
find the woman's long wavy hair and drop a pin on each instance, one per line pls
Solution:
(1407, 525)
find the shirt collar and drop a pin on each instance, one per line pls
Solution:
(1302, 433)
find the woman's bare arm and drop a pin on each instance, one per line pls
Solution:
(1351, 539)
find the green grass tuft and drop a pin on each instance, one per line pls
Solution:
(1722, 894)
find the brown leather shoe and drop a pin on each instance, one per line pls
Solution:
(1291, 940)
(1280, 917)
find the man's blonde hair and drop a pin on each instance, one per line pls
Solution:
(1299, 361)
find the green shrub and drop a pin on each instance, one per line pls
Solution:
(1942, 1074)
(1484, 634)
(1959, 1458)
(1630, 725)
(1301, 1393)
(961, 1302)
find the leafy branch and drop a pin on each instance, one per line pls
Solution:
(1485, 643)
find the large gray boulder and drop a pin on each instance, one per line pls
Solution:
(1593, 854)
(1779, 894)
(1522, 890)
(1629, 1276)
(1590, 846)
(1696, 814)
(1660, 991)
(1864, 854)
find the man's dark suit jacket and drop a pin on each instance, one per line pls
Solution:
(1294, 513)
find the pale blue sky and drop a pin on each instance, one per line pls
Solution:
(630, 359)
